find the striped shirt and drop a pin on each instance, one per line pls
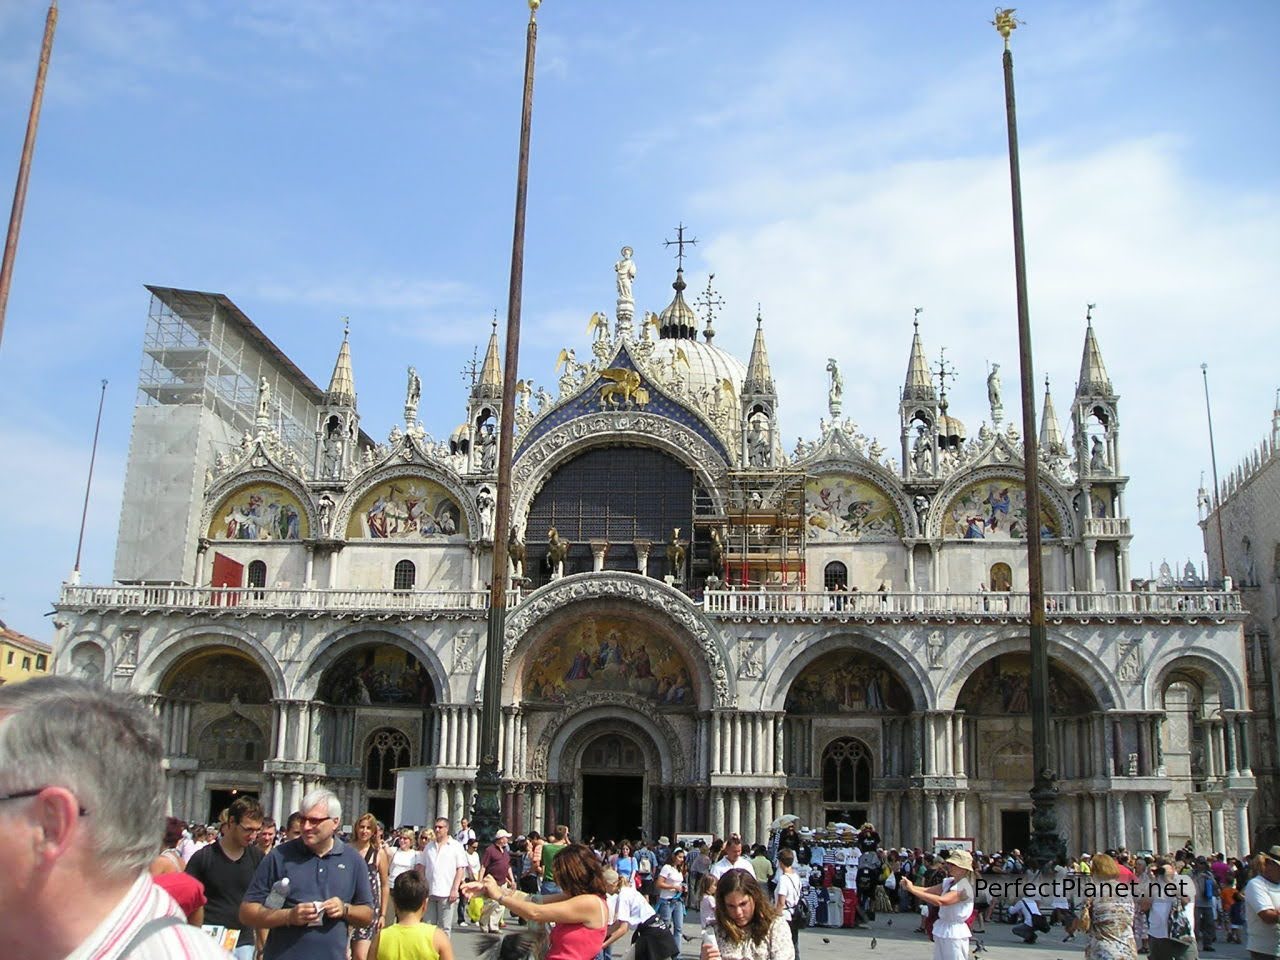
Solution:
(145, 901)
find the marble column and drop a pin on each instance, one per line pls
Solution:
(1118, 827)
(1244, 845)
(734, 824)
(931, 818)
(1162, 824)
(1218, 824)
(598, 550)
(960, 822)
(750, 818)
(961, 740)
(1148, 838)
(1229, 742)
(718, 813)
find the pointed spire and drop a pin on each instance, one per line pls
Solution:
(1052, 442)
(490, 383)
(919, 385)
(1093, 375)
(759, 377)
(342, 385)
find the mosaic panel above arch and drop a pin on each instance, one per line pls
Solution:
(1002, 686)
(847, 681)
(377, 674)
(598, 654)
(261, 511)
(408, 508)
(217, 675)
(841, 507)
(995, 509)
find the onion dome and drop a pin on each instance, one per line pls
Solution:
(678, 321)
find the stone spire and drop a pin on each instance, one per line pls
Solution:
(1093, 374)
(489, 385)
(1052, 441)
(342, 385)
(919, 385)
(759, 377)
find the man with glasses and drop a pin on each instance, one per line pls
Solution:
(81, 793)
(445, 863)
(227, 866)
(328, 892)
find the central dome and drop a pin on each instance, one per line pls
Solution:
(708, 365)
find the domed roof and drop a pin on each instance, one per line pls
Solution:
(707, 367)
(678, 319)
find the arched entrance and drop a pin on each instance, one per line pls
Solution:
(611, 773)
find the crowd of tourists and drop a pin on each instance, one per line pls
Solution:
(95, 871)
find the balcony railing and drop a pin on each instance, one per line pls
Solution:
(266, 600)
(1106, 527)
(766, 603)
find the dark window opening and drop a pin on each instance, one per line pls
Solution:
(405, 576)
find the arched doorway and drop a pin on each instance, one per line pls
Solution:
(846, 781)
(218, 701)
(612, 770)
(386, 750)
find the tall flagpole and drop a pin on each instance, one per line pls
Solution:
(1046, 841)
(24, 165)
(487, 816)
(1216, 502)
(88, 484)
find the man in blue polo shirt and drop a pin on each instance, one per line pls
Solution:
(328, 889)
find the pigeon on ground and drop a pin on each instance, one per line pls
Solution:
(889, 922)
(826, 939)
(873, 943)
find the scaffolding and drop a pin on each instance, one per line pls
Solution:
(761, 529)
(200, 350)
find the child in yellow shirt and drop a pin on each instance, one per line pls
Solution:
(409, 938)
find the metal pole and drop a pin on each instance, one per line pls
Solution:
(24, 166)
(1046, 841)
(88, 484)
(486, 818)
(1217, 491)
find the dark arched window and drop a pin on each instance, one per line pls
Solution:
(388, 749)
(846, 772)
(835, 576)
(257, 575)
(406, 575)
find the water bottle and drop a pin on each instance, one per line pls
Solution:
(709, 937)
(280, 890)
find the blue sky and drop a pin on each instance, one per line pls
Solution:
(839, 162)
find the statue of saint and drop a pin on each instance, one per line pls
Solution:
(835, 392)
(626, 270)
(1097, 456)
(993, 394)
(757, 443)
(264, 399)
(412, 394)
(922, 450)
(485, 504)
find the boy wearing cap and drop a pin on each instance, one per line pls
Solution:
(1262, 907)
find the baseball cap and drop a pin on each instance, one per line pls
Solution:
(500, 834)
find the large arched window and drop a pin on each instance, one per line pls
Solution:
(835, 576)
(388, 749)
(405, 576)
(846, 772)
(232, 741)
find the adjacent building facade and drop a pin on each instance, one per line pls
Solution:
(710, 630)
(22, 657)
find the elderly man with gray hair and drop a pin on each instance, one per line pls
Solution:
(81, 796)
(328, 892)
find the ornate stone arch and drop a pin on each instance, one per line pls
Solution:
(163, 655)
(787, 665)
(876, 476)
(71, 660)
(223, 488)
(1069, 654)
(1224, 675)
(664, 607)
(556, 754)
(423, 469)
(1050, 492)
(537, 462)
(326, 650)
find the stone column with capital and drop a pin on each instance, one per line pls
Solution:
(598, 550)
(642, 555)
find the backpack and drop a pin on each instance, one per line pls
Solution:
(801, 915)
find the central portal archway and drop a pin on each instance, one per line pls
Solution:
(613, 785)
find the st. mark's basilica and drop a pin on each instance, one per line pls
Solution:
(711, 627)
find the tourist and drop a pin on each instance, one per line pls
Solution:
(707, 901)
(630, 912)
(464, 834)
(187, 893)
(328, 894)
(365, 843)
(1169, 903)
(82, 791)
(1206, 904)
(266, 838)
(444, 864)
(577, 909)
(409, 938)
(472, 873)
(954, 899)
(699, 864)
(293, 826)
(624, 862)
(404, 859)
(170, 859)
(746, 926)
(671, 889)
(227, 866)
(647, 868)
(1107, 915)
(732, 859)
(1262, 907)
(496, 863)
(787, 894)
(761, 865)
(544, 856)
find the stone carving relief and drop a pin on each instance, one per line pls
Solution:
(127, 655)
(1129, 665)
(464, 647)
(934, 643)
(750, 658)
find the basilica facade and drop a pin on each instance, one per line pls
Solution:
(709, 629)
